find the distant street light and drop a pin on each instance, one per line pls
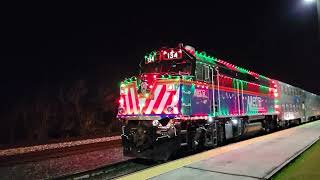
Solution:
(318, 12)
(309, 1)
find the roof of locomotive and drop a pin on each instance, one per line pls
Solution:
(203, 57)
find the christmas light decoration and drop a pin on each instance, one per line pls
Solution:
(233, 91)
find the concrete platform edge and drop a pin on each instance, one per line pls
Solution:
(274, 171)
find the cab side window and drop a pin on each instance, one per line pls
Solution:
(207, 73)
(199, 72)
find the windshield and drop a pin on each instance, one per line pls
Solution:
(167, 67)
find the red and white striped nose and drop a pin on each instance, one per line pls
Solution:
(129, 99)
(165, 97)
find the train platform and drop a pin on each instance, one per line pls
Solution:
(256, 158)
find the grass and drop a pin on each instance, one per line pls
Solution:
(305, 166)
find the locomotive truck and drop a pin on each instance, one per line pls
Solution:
(186, 99)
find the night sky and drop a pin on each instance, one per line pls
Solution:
(46, 44)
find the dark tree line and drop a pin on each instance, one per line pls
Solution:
(77, 108)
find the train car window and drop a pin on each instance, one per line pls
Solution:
(206, 74)
(283, 107)
(288, 88)
(290, 91)
(199, 72)
(285, 89)
(290, 108)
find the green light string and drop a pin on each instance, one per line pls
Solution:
(203, 57)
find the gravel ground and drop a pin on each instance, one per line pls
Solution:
(56, 167)
(22, 150)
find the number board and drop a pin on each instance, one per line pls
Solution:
(171, 54)
(151, 57)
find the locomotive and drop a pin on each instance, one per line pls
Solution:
(186, 99)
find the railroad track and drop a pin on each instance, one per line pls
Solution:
(114, 170)
(55, 153)
(123, 168)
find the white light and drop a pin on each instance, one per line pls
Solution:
(309, 1)
(210, 119)
(234, 121)
(155, 123)
(121, 101)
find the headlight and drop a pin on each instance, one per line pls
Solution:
(234, 121)
(210, 119)
(155, 122)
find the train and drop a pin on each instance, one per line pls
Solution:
(184, 99)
